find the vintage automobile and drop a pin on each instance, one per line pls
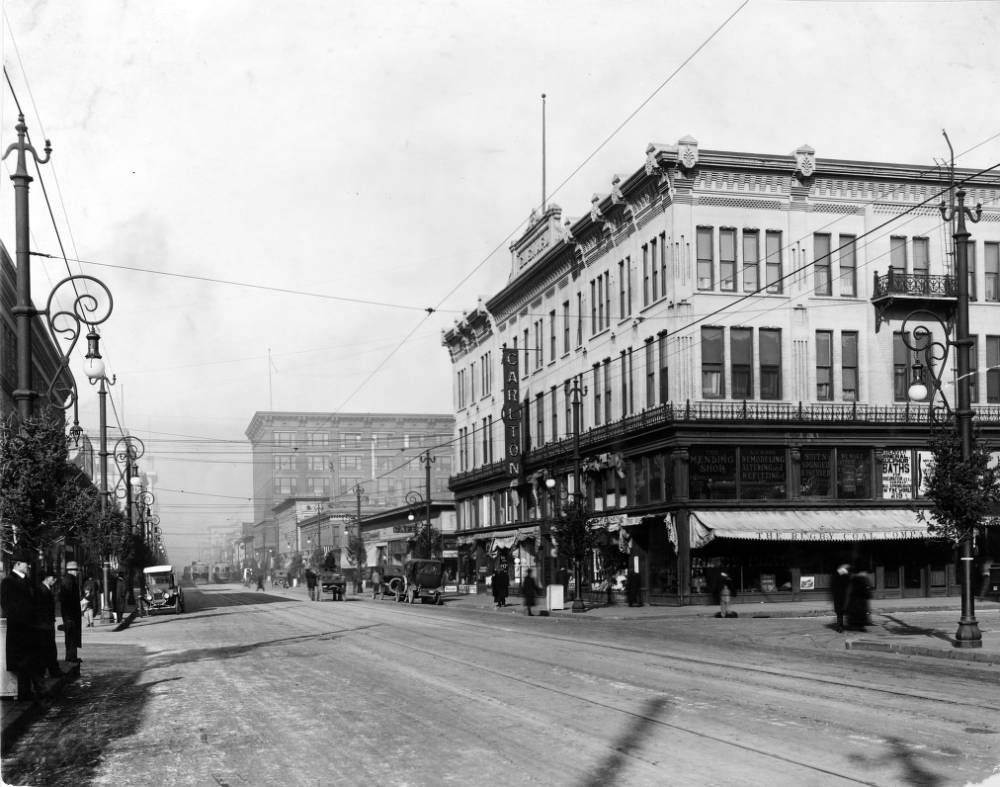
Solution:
(418, 578)
(162, 593)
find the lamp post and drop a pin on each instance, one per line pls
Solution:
(94, 369)
(427, 460)
(968, 634)
(23, 311)
(358, 492)
(936, 353)
(415, 500)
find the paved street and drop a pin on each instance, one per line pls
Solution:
(255, 688)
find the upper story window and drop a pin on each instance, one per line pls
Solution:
(350, 439)
(318, 439)
(769, 342)
(284, 438)
(751, 260)
(822, 281)
(772, 262)
(284, 461)
(847, 257)
(706, 258)
(991, 271)
(713, 359)
(741, 355)
(317, 463)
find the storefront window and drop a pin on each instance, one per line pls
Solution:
(815, 466)
(712, 473)
(853, 473)
(762, 473)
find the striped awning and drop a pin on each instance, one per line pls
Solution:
(848, 524)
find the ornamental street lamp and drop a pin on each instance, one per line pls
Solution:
(422, 532)
(922, 342)
(94, 368)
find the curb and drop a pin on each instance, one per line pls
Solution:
(956, 654)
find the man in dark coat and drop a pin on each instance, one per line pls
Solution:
(840, 586)
(529, 591)
(69, 608)
(311, 584)
(119, 592)
(17, 601)
(45, 627)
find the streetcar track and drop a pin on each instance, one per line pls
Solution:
(671, 657)
(631, 714)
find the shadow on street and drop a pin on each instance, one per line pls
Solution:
(631, 739)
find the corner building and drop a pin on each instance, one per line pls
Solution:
(727, 328)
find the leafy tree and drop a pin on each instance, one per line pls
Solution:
(427, 542)
(964, 493)
(35, 481)
(574, 537)
(357, 555)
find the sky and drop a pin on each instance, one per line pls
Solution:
(277, 193)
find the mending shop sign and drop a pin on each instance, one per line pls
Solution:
(511, 413)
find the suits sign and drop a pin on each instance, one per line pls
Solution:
(511, 413)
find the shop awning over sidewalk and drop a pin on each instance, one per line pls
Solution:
(849, 524)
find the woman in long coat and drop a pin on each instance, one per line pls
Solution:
(119, 590)
(529, 591)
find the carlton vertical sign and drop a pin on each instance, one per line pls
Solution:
(511, 413)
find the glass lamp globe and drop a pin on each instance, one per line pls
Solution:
(93, 368)
(917, 392)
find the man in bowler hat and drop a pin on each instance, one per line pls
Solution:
(18, 603)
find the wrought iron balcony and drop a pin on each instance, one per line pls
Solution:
(898, 293)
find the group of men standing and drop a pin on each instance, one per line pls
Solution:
(30, 612)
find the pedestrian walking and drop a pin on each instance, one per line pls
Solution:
(45, 627)
(18, 605)
(857, 602)
(529, 591)
(92, 590)
(632, 589)
(119, 593)
(725, 593)
(87, 607)
(501, 585)
(260, 580)
(840, 587)
(311, 584)
(69, 609)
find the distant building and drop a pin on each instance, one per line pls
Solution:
(713, 322)
(317, 470)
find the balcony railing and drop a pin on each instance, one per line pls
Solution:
(914, 285)
(744, 412)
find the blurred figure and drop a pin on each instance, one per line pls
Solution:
(311, 584)
(725, 596)
(857, 602)
(840, 586)
(119, 591)
(529, 591)
(69, 608)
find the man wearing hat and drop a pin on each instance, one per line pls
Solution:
(17, 600)
(69, 607)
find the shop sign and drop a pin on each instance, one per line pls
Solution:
(511, 413)
(404, 528)
(897, 474)
(807, 583)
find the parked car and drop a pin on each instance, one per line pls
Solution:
(420, 578)
(163, 593)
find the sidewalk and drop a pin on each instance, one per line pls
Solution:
(911, 626)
